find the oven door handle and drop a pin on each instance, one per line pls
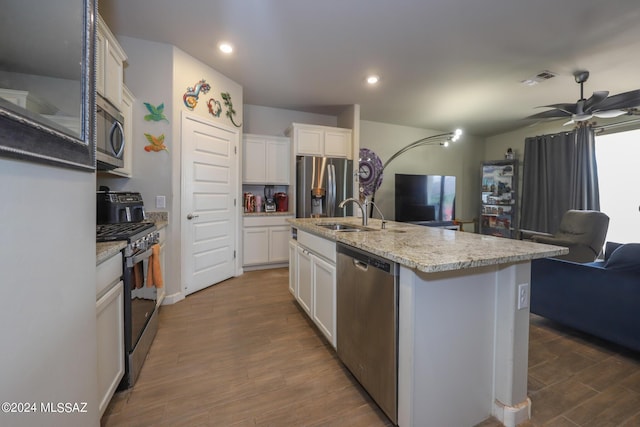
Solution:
(137, 258)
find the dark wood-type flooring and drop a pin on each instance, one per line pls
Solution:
(242, 353)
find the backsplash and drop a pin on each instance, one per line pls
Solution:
(158, 216)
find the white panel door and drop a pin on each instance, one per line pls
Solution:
(209, 186)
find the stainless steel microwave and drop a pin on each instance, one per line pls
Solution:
(109, 135)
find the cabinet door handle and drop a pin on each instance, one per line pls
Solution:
(191, 216)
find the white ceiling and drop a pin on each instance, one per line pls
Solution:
(443, 63)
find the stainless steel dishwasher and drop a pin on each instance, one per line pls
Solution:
(367, 323)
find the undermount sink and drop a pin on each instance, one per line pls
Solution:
(336, 226)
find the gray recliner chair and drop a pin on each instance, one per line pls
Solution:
(582, 231)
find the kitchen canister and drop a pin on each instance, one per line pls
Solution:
(258, 203)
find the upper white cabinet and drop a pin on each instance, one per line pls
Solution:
(313, 140)
(110, 58)
(266, 160)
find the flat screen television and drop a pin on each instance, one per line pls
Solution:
(422, 198)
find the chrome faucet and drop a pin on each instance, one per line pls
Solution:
(362, 208)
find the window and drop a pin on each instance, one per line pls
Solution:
(618, 158)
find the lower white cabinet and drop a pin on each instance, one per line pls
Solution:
(265, 241)
(109, 328)
(293, 266)
(324, 297)
(304, 286)
(314, 280)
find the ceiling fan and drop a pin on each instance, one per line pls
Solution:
(600, 104)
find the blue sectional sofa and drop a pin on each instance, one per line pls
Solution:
(600, 298)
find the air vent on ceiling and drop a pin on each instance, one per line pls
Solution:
(538, 78)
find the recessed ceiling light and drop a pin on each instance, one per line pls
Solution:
(225, 47)
(372, 80)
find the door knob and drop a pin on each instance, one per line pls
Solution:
(191, 216)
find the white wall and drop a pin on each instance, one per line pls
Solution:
(275, 121)
(160, 73)
(497, 145)
(47, 309)
(461, 159)
(150, 67)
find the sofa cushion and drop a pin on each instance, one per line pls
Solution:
(609, 248)
(625, 258)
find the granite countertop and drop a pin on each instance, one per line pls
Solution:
(105, 250)
(430, 249)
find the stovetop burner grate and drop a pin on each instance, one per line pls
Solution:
(124, 231)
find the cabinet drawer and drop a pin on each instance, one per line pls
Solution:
(265, 221)
(108, 273)
(321, 246)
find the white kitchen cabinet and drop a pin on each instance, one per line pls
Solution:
(304, 282)
(256, 245)
(293, 266)
(265, 241)
(110, 59)
(279, 243)
(266, 160)
(314, 140)
(314, 260)
(324, 297)
(126, 108)
(109, 328)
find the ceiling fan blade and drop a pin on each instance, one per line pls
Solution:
(622, 100)
(581, 117)
(595, 99)
(609, 114)
(570, 122)
(567, 108)
(551, 114)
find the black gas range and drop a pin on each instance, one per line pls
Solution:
(121, 217)
(129, 231)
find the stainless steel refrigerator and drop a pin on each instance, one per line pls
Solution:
(321, 184)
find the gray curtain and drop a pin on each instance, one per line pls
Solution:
(560, 173)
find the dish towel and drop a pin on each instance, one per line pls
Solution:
(138, 278)
(154, 272)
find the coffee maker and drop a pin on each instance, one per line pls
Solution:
(269, 199)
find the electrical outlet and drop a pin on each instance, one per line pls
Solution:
(161, 202)
(523, 296)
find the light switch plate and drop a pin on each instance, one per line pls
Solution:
(161, 202)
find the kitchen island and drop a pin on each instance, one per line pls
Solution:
(463, 324)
